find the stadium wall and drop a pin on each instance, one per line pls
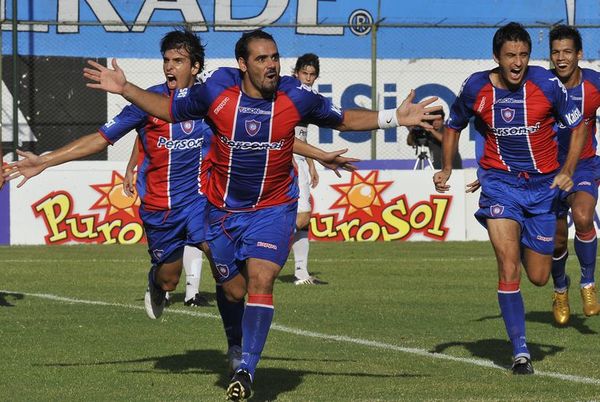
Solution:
(431, 46)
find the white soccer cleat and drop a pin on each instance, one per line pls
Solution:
(155, 300)
(311, 280)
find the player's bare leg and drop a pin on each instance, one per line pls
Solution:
(162, 279)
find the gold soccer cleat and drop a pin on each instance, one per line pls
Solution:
(560, 307)
(589, 296)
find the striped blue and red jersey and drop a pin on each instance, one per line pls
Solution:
(251, 157)
(586, 96)
(174, 169)
(519, 126)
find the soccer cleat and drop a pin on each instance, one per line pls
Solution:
(197, 301)
(240, 387)
(311, 280)
(234, 355)
(589, 296)
(522, 365)
(155, 299)
(560, 307)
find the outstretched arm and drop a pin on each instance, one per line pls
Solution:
(407, 114)
(114, 81)
(31, 165)
(331, 160)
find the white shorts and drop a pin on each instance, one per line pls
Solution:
(303, 185)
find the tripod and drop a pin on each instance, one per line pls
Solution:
(422, 162)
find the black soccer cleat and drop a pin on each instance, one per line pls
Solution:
(197, 301)
(522, 365)
(240, 387)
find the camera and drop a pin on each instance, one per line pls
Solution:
(421, 135)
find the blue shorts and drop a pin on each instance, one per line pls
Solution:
(169, 231)
(585, 178)
(526, 199)
(233, 237)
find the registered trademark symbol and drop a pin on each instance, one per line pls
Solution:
(360, 22)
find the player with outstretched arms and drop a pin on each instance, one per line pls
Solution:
(252, 187)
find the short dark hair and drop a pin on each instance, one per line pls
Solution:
(511, 32)
(566, 32)
(184, 39)
(307, 60)
(241, 47)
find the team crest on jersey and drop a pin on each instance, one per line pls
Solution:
(252, 127)
(223, 270)
(497, 210)
(508, 114)
(157, 253)
(187, 126)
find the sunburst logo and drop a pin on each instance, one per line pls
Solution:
(362, 194)
(114, 199)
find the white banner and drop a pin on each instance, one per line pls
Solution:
(83, 202)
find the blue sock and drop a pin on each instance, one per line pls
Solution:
(586, 245)
(513, 313)
(559, 276)
(256, 325)
(231, 315)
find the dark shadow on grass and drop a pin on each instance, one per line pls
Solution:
(13, 296)
(500, 351)
(269, 383)
(577, 321)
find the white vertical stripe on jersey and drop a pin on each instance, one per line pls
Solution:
(235, 118)
(169, 167)
(262, 183)
(582, 107)
(528, 135)
(493, 107)
(200, 189)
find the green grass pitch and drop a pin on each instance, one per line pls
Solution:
(402, 321)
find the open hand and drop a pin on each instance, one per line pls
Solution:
(104, 78)
(334, 160)
(417, 114)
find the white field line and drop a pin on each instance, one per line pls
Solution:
(316, 260)
(317, 335)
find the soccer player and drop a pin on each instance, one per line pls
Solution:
(307, 70)
(192, 256)
(514, 105)
(252, 188)
(169, 183)
(583, 87)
